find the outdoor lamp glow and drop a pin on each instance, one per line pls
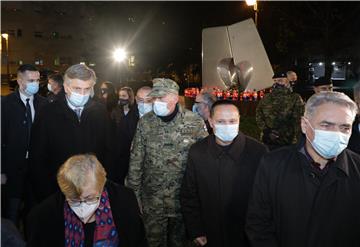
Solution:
(5, 35)
(119, 55)
(250, 2)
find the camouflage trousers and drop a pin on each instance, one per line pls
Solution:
(162, 231)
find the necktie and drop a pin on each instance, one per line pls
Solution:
(28, 118)
(78, 112)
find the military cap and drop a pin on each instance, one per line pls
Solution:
(163, 86)
(322, 81)
(279, 75)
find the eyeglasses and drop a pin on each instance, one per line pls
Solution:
(90, 201)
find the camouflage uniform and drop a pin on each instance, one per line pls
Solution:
(157, 164)
(279, 114)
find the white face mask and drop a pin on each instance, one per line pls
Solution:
(144, 108)
(160, 108)
(328, 144)
(49, 87)
(85, 211)
(226, 132)
(77, 99)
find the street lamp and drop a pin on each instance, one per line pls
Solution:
(254, 3)
(6, 37)
(119, 56)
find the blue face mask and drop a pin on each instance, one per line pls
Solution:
(226, 132)
(195, 108)
(329, 144)
(144, 108)
(78, 100)
(160, 108)
(31, 88)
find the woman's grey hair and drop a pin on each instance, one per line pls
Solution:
(329, 97)
(81, 72)
(77, 172)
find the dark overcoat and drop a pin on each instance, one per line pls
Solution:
(216, 187)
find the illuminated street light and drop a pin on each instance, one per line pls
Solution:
(333, 63)
(321, 64)
(254, 3)
(6, 37)
(119, 55)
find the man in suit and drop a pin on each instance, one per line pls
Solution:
(18, 111)
(72, 125)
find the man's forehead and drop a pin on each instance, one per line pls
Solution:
(80, 83)
(333, 113)
(31, 74)
(226, 110)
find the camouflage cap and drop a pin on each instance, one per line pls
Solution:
(163, 86)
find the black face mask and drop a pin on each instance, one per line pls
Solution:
(123, 102)
(293, 83)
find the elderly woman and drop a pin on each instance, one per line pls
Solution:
(90, 211)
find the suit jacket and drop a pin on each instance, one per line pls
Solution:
(14, 140)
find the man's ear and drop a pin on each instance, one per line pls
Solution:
(211, 122)
(303, 125)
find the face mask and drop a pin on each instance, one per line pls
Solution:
(160, 108)
(123, 102)
(32, 88)
(78, 100)
(226, 132)
(144, 108)
(49, 87)
(329, 144)
(195, 108)
(84, 211)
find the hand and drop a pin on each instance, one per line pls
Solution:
(200, 241)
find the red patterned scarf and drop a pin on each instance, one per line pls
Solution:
(105, 230)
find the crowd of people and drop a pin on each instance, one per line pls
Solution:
(96, 165)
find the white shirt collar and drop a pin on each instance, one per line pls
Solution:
(24, 97)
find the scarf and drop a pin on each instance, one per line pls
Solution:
(105, 230)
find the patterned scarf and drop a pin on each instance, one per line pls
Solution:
(105, 230)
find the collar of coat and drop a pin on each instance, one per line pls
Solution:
(341, 161)
(235, 151)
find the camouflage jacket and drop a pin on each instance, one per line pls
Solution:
(281, 110)
(158, 160)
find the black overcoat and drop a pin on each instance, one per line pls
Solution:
(45, 223)
(286, 210)
(58, 134)
(216, 187)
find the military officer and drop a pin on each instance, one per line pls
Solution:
(278, 114)
(158, 160)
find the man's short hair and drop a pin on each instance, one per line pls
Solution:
(222, 102)
(26, 67)
(337, 98)
(209, 98)
(57, 77)
(290, 72)
(74, 174)
(80, 72)
(144, 88)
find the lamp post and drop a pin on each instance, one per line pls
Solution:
(119, 56)
(6, 37)
(254, 3)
